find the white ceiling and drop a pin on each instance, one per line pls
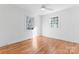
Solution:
(35, 8)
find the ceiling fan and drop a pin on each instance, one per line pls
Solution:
(45, 7)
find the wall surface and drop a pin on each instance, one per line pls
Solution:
(38, 24)
(68, 25)
(12, 24)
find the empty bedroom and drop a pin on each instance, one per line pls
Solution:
(39, 29)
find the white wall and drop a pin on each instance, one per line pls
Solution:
(38, 24)
(12, 24)
(68, 25)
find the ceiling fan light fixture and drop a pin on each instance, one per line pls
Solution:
(42, 9)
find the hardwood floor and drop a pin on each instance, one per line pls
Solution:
(45, 46)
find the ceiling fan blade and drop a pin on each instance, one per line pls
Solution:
(49, 9)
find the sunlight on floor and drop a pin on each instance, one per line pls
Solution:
(34, 41)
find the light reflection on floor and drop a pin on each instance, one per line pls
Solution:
(34, 40)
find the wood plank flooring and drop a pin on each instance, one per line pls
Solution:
(45, 46)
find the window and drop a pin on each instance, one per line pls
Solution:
(29, 23)
(54, 22)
